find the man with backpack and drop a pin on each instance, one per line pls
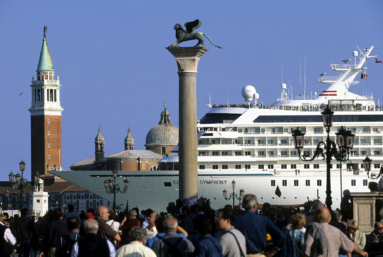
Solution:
(172, 244)
(64, 249)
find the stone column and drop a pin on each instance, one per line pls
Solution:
(187, 59)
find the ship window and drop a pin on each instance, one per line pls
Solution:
(215, 167)
(202, 167)
(261, 153)
(237, 167)
(364, 182)
(318, 130)
(270, 166)
(283, 166)
(261, 166)
(316, 166)
(238, 153)
(284, 183)
(224, 167)
(338, 166)
(307, 166)
(296, 183)
(293, 166)
(376, 165)
(273, 183)
(319, 182)
(247, 167)
(330, 166)
(167, 184)
(247, 152)
(225, 153)
(353, 182)
(215, 153)
(307, 183)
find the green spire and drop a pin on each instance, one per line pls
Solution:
(45, 62)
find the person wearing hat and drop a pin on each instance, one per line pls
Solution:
(355, 235)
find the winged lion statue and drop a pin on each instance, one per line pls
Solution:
(187, 35)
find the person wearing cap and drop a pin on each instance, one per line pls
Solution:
(72, 213)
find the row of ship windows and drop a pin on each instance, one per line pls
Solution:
(319, 182)
(271, 142)
(271, 166)
(286, 130)
(282, 153)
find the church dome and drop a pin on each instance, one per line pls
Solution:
(164, 134)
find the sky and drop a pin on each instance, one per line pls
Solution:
(115, 71)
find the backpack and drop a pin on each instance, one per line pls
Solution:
(66, 250)
(173, 250)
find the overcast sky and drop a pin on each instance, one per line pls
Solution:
(114, 68)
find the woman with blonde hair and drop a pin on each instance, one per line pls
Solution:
(294, 236)
(355, 235)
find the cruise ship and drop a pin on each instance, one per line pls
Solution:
(252, 145)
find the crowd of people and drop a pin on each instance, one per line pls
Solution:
(190, 228)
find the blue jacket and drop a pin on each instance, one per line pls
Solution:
(206, 247)
(255, 227)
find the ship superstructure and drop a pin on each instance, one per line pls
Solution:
(253, 145)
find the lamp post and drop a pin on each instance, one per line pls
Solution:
(18, 182)
(328, 149)
(112, 188)
(367, 167)
(234, 195)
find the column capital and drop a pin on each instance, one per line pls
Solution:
(187, 57)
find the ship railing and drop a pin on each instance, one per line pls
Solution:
(283, 143)
(365, 143)
(272, 144)
(377, 143)
(378, 131)
(261, 144)
(342, 66)
(284, 155)
(248, 144)
(324, 78)
(315, 108)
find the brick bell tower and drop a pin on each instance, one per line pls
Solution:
(45, 112)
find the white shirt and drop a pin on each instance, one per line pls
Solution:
(145, 223)
(8, 236)
(114, 224)
(135, 249)
(112, 250)
(151, 232)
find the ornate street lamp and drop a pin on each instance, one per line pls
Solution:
(111, 187)
(367, 167)
(328, 149)
(19, 183)
(234, 195)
